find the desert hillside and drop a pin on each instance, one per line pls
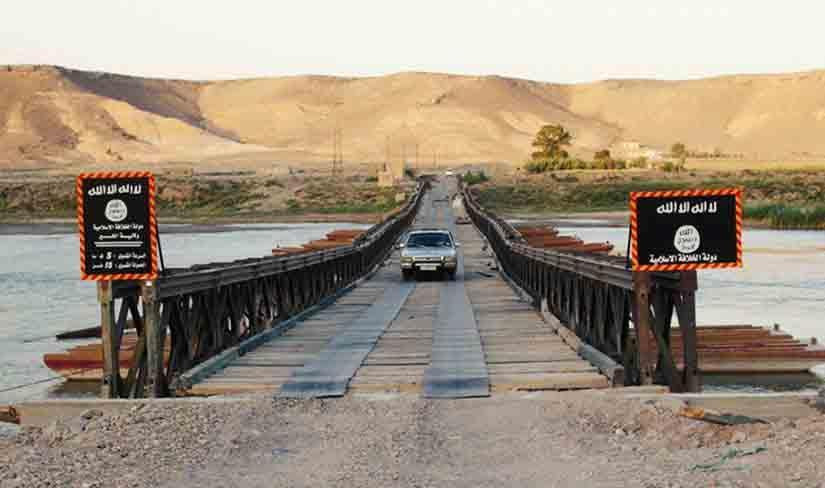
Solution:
(52, 116)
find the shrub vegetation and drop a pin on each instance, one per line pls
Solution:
(471, 178)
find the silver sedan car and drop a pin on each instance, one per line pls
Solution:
(428, 250)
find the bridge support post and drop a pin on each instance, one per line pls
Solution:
(155, 338)
(281, 297)
(110, 339)
(642, 323)
(686, 312)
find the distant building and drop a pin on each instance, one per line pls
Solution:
(391, 174)
(386, 178)
(629, 146)
(635, 149)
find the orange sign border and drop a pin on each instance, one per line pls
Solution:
(634, 229)
(153, 232)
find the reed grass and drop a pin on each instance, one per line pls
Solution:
(783, 216)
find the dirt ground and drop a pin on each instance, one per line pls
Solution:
(518, 439)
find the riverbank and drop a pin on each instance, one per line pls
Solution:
(210, 200)
(776, 200)
(269, 222)
(517, 439)
(621, 218)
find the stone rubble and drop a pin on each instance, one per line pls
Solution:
(553, 439)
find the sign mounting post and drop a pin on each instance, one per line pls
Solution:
(117, 228)
(678, 230)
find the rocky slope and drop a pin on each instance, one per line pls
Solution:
(52, 116)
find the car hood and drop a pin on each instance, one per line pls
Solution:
(428, 252)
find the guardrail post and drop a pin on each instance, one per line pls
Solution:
(110, 339)
(155, 339)
(641, 321)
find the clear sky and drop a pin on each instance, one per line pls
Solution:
(562, 41)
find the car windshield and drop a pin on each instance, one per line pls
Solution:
(429, 239)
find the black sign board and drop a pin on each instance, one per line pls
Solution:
(117, 226)
(686, 229)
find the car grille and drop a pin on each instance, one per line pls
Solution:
(427, 260)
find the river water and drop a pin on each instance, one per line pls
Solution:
(783, 282)
(41, 293)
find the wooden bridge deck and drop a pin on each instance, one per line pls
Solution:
(519, 350)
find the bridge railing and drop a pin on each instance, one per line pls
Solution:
(190, 315)
(597, 297)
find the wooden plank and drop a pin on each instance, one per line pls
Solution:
(517, 357)
(557, 381)
(543, 367)
(388, 370)
(235, 370)
(756, 367)
(264, 382)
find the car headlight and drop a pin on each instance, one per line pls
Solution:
(450, 259)
(406, 259)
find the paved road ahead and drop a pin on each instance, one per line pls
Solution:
(443, 339)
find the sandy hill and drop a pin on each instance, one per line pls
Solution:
(57, 116)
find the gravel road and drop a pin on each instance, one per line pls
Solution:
(547, 439)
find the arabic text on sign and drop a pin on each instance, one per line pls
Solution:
(115, 189)
(685, 207)
(683, 258)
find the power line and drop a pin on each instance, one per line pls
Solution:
(387, 157)
(337, 151)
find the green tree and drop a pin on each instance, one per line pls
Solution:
(602, 159)
(538, 166)
(473, 179)
(678, 150)
(640, 162)
(550, 142)
(579, 164)
(603, 155)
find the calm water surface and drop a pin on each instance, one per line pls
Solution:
(41, 293)
(782, 281)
